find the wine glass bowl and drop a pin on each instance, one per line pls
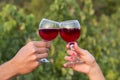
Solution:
(70, 30)
(48, 30)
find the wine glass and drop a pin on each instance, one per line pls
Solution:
(48, 30)
(70, 32)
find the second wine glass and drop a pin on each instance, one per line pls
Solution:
(48, 30)
(70, 32)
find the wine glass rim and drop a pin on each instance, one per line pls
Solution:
(50, 28)
(69, 21)
(49, 20)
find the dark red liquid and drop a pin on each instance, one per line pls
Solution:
(48, 34)
(70, 35)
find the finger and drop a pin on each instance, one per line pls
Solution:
(37, 64)
(42, 50)
(40, 56)
(75, 65)
(48, 44)
(68, 65)
(40, 43)
(68, 58)
(67, 46)
(80, 50)
(71, 52)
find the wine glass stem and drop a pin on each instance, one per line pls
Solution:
(44, 59)
(72, 47)
(74, 57)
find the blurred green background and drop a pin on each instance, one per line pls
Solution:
(100, 26)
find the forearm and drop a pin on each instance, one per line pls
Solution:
(96, 73)
(7, 70)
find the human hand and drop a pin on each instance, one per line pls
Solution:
(83, 55)
(27, 58)
(88, 65)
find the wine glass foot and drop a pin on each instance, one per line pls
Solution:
(73, 63)
(44, 60)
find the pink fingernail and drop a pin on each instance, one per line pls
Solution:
(73, 56)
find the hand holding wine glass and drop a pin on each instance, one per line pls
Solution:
(89, 67)
(48, 30)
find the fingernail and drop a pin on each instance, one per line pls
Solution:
(64, 65)
(73, 56)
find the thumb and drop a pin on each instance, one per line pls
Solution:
(79, 50)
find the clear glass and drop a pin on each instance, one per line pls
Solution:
(70, 32)
(48, 30)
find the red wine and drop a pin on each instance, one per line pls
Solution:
(70, 35)
(48, 34)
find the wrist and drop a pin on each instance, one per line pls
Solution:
(8, 70)
(95, 72)
(14, 67)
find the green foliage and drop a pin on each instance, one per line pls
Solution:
(37, 7)
(15, 29)
(101, 37)
(110, 31)
(107, 7)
